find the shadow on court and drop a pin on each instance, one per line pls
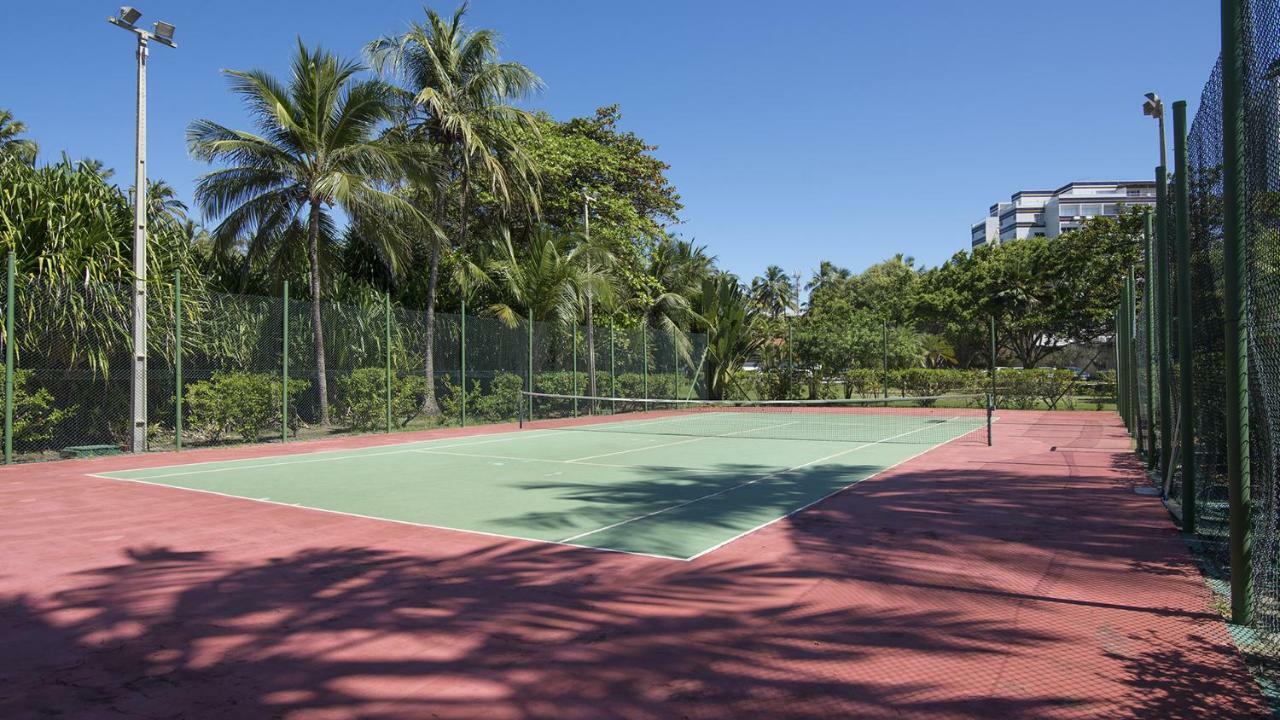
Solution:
(1038, 586)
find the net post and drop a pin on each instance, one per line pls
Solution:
(575, 370)
(644, 345)
(530, 369)
(1235, 303)
(991, 401)
(284, 367)
(1148, 291)
(1182, 235)
(462, 361)
(177, 360)
(10, 271)
(386, 311)
(1162, 318)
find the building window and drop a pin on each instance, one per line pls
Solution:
(1135, 192)
(1068, 210)
(1109, 209)
(1090, 210)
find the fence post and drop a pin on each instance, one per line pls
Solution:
(531, 363)
(575, 370)
(9, 341)
(1235, 302)
(613, 367)
(644, 345)
(675, 369)
(1149, 319)
(284, 369)
(386, 306)
(991, 400)
(884, 361)
(177, 359)
(1182, 235)
(463, 363)
(1165, 358)
(1132, 350)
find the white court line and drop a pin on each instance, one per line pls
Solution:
(837, 491)
(298, 506)
(517, 458)
(305, 458)
(762, 478)
(681, 442)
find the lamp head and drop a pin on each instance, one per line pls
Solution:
(129, 15)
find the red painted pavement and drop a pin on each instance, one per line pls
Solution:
(1019, 581)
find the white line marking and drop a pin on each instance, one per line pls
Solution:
(681, 442)
(837, 491)
(762, 478)
(667, 468)
(299, 506)
(305, 458)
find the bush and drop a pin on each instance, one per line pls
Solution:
(1025, 389)
(34, 418)
(238, 402)
(500, 403)
(363, 399)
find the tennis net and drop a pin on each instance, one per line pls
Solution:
(914, 420)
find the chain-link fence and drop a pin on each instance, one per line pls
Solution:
(1196, 473)
(231, 369)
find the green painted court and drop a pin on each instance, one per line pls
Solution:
(670, 485)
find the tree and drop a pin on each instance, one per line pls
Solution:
(458, 99)
(542, 279)
(774, 292)
(729, 319)
(23, 150)
(888, 289)
(318, 148)
(828, 276)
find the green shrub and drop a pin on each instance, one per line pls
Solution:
(1016, 389)
(1055, 387)
(34, 417)
(363, 399)
(238, 403)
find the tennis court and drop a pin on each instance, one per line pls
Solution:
(661, 478)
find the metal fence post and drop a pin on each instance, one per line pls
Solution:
(675, 369)
(463, 361)
(530, 363)
(386, 306)
(1235, 299)
(1132, 350)
(284, 368)
(644, 344)
(1149, 319)
(575, 371)
(884, 361)
(613, 367)
(9, 342)
(1182, 236)
(1164, 357)
(991, 401)
(177, 359)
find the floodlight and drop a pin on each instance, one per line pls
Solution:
(164, 31)
(1153, 107)
(129, 15)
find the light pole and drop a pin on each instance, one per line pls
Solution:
(1153, 106)
(163, 34)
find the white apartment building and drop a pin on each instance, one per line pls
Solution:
(1049, 213)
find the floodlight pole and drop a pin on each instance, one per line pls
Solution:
(138, 378)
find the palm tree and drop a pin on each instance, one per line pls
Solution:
(677, 268)
(774, 293)
(543, 279)
(595, 262)
(318, 148)
(828, 275)
(457, 99)
(22, 149)
(730, 319)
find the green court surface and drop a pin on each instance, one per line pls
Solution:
(652, 487)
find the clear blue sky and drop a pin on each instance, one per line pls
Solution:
(796, 132)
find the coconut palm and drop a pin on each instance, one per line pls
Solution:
(458, 100)
(318, 148)
(22, 149)
(677, 269)
(542, 279)
(828, 275)
(774, 293)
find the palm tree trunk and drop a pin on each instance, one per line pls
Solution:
(313, 253)
(429, 404)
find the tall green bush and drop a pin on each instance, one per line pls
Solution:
(34, 416)
(238, 403)
(362, 402)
